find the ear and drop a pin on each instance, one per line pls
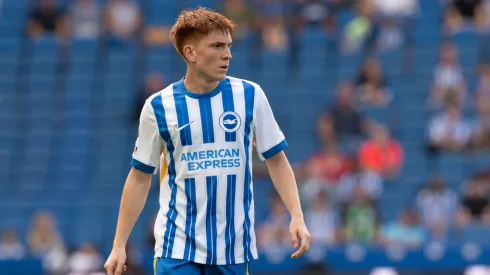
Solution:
(189, 53)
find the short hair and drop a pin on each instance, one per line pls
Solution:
(198, 22)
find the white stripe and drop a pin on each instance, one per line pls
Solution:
(239, 102)
(180, 237)
(201, 199)
(221, 216)
(196, 126)
(217, 110)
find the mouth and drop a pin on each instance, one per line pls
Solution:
(224, 67)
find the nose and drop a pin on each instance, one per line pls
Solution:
(227, 55)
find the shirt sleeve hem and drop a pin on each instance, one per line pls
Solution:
(142, 167)
(276, 149)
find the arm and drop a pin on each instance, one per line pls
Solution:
(270, 143)
(283, 178)
(146, 159)
(285, 183)
(132, 202)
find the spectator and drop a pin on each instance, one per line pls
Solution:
(481, 18)
(47, 19)
(328, 165)
(370, 181)
(360, 30)
(154, 82)
(402, 8)
(342, 119)
(10, 246)
(85, 260)
(273, 233)
(314, 13)
(322, 221)
(85, 19)
(361, 217)
(483, 82)
(381, 154)
(406, 231)
(272, 25)
(436, 205)
(449, 82)
(242, 16)
(372, 88)
(390, 37)
(466, 7)
(475, 206)
(45, 241)
(453, 21)
(123, 19)
(481, 134)
(448, 131)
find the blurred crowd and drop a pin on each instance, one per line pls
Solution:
(45, 241)
(358, 158)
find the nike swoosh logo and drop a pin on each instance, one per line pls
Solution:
(183, 126)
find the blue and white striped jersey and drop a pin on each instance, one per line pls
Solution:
(202, 144)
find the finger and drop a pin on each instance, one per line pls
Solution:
(119, 268)
(294, 238)
(109, 267)
(305, 245)
(306, 239)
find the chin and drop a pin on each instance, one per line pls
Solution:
(220, 76)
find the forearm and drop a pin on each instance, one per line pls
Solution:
(132, 202)
(285, 183)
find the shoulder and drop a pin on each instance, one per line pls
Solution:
(247, 84)
(156, 100)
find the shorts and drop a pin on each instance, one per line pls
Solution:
(164, 266)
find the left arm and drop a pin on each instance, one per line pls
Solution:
(283, 178)
(285, 183)
(270, 143)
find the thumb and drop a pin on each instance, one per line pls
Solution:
(294, 238)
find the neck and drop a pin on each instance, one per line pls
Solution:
(198, 84)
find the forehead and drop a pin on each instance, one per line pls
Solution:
(217, 36)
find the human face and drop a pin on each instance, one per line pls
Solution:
(212, 56)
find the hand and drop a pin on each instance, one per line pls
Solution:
(115, 263)
(297, 229)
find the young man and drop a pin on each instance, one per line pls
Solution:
(200, 132)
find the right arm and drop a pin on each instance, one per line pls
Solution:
(145, 162)
(132, 202)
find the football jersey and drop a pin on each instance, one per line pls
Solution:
(202, 145)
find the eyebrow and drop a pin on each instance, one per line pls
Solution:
(220, 43)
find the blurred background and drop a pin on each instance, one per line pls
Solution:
(385, 104)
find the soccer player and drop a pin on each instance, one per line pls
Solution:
(200, 132)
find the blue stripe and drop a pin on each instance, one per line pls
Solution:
(172, 212)
(249, 92)
(190, 221)
(211, 234)
(228, 106)
(206, 120)
(142, 167)
(182, 117)
(276, 149)
(214, 223)
(230, 219)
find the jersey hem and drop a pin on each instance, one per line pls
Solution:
(142, 167)
(203, 260)
(276, 149)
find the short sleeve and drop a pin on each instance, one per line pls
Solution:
(148, 148)
(269, 139)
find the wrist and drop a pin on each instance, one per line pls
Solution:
(297, 215)
(119, 245)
